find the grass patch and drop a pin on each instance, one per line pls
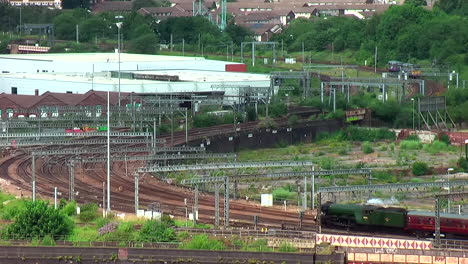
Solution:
(410, 145)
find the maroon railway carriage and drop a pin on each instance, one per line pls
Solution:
(424, 223)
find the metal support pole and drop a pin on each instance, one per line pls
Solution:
(55, 198)
(216, 204)
(384, 97)
(437, 222)
(103, 199)
(312, 189)
(72, 181)
(235, 190)
(136, 192)
(195, 206)
(334, 99)
(319, 212)
(321, 92)
(226, 201)
(33, 171)
(186, 127)
(304, 199)
(253, 54)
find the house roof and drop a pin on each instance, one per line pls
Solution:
(257, 16)
(32, 101)
(112, 6)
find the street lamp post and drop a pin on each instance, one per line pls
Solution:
(119, 25)
(412, 99)
(448, 180)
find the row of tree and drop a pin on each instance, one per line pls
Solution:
(408, 32)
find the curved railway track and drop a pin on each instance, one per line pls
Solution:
(50, 173)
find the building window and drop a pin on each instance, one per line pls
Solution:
(54, 110)
(14, 90)
(44, 110)
(9, 112)
(98, 110)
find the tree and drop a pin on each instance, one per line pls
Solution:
(459, 7)
(38, 219)
(238, 33)
(145, 44)
(416, 2)
(65, 26)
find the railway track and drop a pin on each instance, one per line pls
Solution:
(88, 185)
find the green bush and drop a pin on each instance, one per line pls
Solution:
(463, 164)
(12, 209)
(436, 147)
(283, 193)
(286, 247)
(38, 219)
(365, 134)
(445, 138)
(410, 145)
(203, 242)
(88, 212)
(70, 208)
(260, 245)
(48, 241)
(367, 148)
(420, 168)
(337, 114)
(156, 231)
(384, 176)
(412, 138)
(292, 120)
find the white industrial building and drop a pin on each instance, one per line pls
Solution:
(31, 74)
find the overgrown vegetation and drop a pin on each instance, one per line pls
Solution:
(420, 168)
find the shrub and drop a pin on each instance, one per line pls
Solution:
(39, 219)
(12, 209)
(410, 145)
(420, 168)
(384, 176)
(70, 208)
(435, 147)
(445, 138)
(367, 148)
(365, 134)
(292, 120)
(156, 231)
(286, 247)
(463, 164)
(283, 193)
(203, 242)
(412, 138)
(48, 241)
(88, 212)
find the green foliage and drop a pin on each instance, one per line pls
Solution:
(156, 231)
(412, 138)
(203, 242)
(284, 193)
(88, 212)
(459, 7)
(286, 247)
(384, 176)
(416, 2)
(259, 245)
(436, 147)
(337, 114)
(12, 209)
(144, 44)
(83, 234)
(365, 134)
(327, 163)
(420, 168)
(69, 209)
(463, 164)
(410, 145)
(38, 219)
(48, 241)
(292, 120)
(367, 147)
(445, 139)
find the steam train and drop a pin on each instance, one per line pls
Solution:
(421, 223)
(408, 68)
